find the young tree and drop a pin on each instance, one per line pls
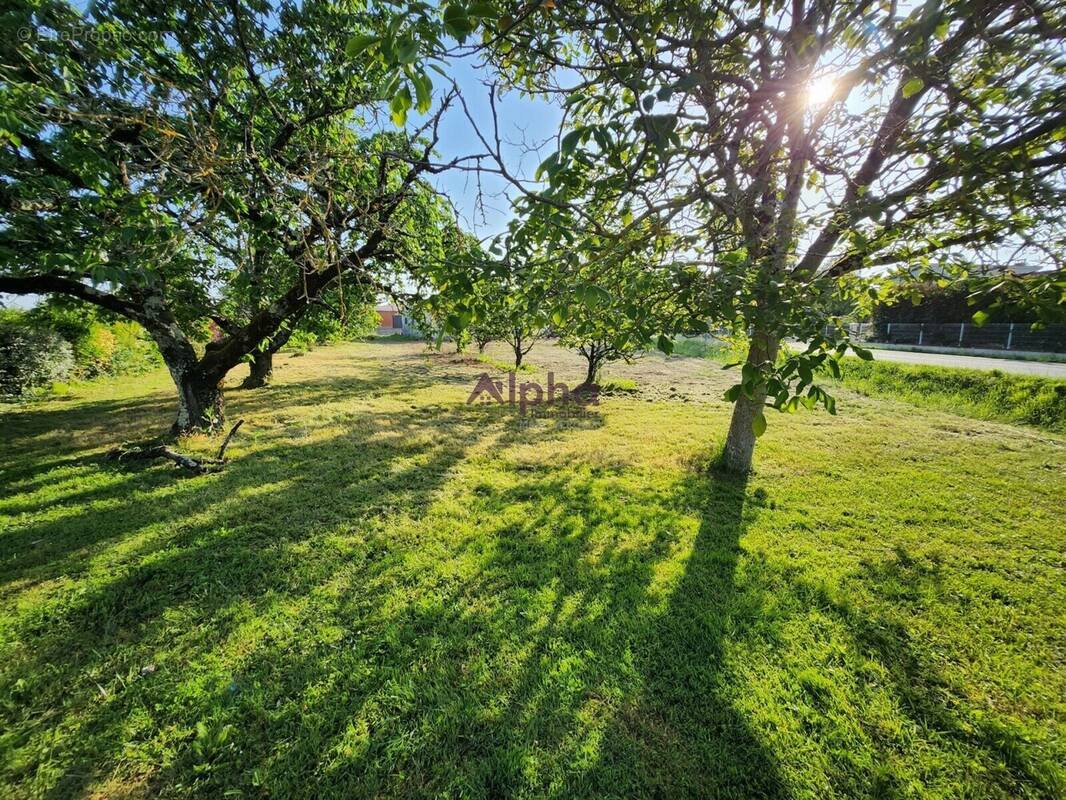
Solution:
(784, 146)
(154, 156)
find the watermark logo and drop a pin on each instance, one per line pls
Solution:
(87, 33)
(532, 398)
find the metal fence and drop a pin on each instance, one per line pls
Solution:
(966, 335)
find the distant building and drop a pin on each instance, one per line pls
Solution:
(392, 321)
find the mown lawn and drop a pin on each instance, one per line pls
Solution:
(389, 593)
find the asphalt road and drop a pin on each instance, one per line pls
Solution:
(1048, 369)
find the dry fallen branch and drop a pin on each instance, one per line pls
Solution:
(198, 465)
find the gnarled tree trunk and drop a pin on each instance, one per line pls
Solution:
(199, 390)
(740, 443)
(199, 403)
(261, 369)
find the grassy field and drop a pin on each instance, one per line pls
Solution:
(390, 593)
(993, 395)
(981, 394)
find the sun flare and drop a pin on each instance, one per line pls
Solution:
(820, 90)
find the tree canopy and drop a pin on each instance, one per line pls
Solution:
(180, 162)
(781, 147)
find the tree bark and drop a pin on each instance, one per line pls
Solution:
(593, 370)
(199, 402)
(261, 369)
(739, 448)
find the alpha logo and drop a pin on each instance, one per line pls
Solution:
(531, 393)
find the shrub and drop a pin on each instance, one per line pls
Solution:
(94, 350)
(30, 358)
(101, 346)
(301, 341)
(134, 352)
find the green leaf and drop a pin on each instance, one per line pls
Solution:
(548, 166)
(570, 141)
(407, 50)
(735, 258)
(358, 43)
(862, 353)
(423, 91)
(649, 103)
(400, 105)
(980, 318)
(758, 424)
(481, 10)
(665, 344)
(457, 23)
(913, 86)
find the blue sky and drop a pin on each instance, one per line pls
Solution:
(521, 119)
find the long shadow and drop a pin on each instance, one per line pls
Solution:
(541, 635)
(111, 509)
(927, 697)
(206, 572)
(437, 686)
(682, 736)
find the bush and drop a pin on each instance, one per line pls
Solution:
(301, 341)
(102, 345)
(30, 358)
(94, 351)
(135, 351)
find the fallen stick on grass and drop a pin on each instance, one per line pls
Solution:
(197, 465)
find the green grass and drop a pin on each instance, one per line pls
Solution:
(618, 386)
(505, 366)
(993, 395)
(389, 593)
(698, 347)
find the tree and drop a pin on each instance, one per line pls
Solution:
(782, 147)
(523, 311)
(178, 154)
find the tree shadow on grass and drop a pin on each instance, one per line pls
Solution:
(557, 664)
(283, 638)
(1007, 757)
(682, 736)
(233, 553)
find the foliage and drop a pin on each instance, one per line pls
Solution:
(725, 349)
(103, 344)
(347, 325)
(982, 394)
(933, 302)
(184, 163)
(445, 601)
(637, 313)
(30, 358)
(778, 150)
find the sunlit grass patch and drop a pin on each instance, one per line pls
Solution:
(389, 592)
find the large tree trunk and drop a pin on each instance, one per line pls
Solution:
(199, 403)
(261, 369)
(740, 443)
(199, 390)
